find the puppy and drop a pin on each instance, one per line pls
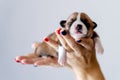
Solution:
(79, 25)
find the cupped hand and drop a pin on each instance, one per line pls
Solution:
(72, 47)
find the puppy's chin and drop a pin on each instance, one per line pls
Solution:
(78, 36)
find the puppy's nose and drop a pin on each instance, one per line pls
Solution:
(79, 27)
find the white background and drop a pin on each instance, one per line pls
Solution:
(24, 21)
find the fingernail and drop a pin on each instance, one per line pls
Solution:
(64, 32)
(18, 61)
(58, 31)
(46, 39)
(78, 41)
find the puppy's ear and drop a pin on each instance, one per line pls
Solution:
(62, 23)
(95, 25)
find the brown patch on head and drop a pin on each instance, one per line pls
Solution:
(89, 23)
(86, 20)
(71, 19)
(67, 23)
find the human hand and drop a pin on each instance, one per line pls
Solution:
(72, 47)
(32, 59)
(76, 51)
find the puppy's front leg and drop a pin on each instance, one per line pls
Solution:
(98, 45)
(62, 55)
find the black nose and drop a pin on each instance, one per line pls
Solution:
(79, 27)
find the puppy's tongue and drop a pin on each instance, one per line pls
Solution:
(78, 32)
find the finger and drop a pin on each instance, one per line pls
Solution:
(86, 43)
(61, 39)
(52, 43)
(72, 43)
(19, 58)
(28, 59)
(47, 62)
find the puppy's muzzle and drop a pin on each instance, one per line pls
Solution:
(79, 28)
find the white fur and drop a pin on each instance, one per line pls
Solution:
(61, 55)
(98, 46)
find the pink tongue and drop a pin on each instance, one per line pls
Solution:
(76, 32)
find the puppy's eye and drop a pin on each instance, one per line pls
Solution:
(69, 23)
(73, 20)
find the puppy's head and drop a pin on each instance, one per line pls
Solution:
(79, 25)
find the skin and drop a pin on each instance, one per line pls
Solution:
(81, 57)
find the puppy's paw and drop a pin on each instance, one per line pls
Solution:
(98, 46)
(62, 61)
(61, 55)
(100, 50)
